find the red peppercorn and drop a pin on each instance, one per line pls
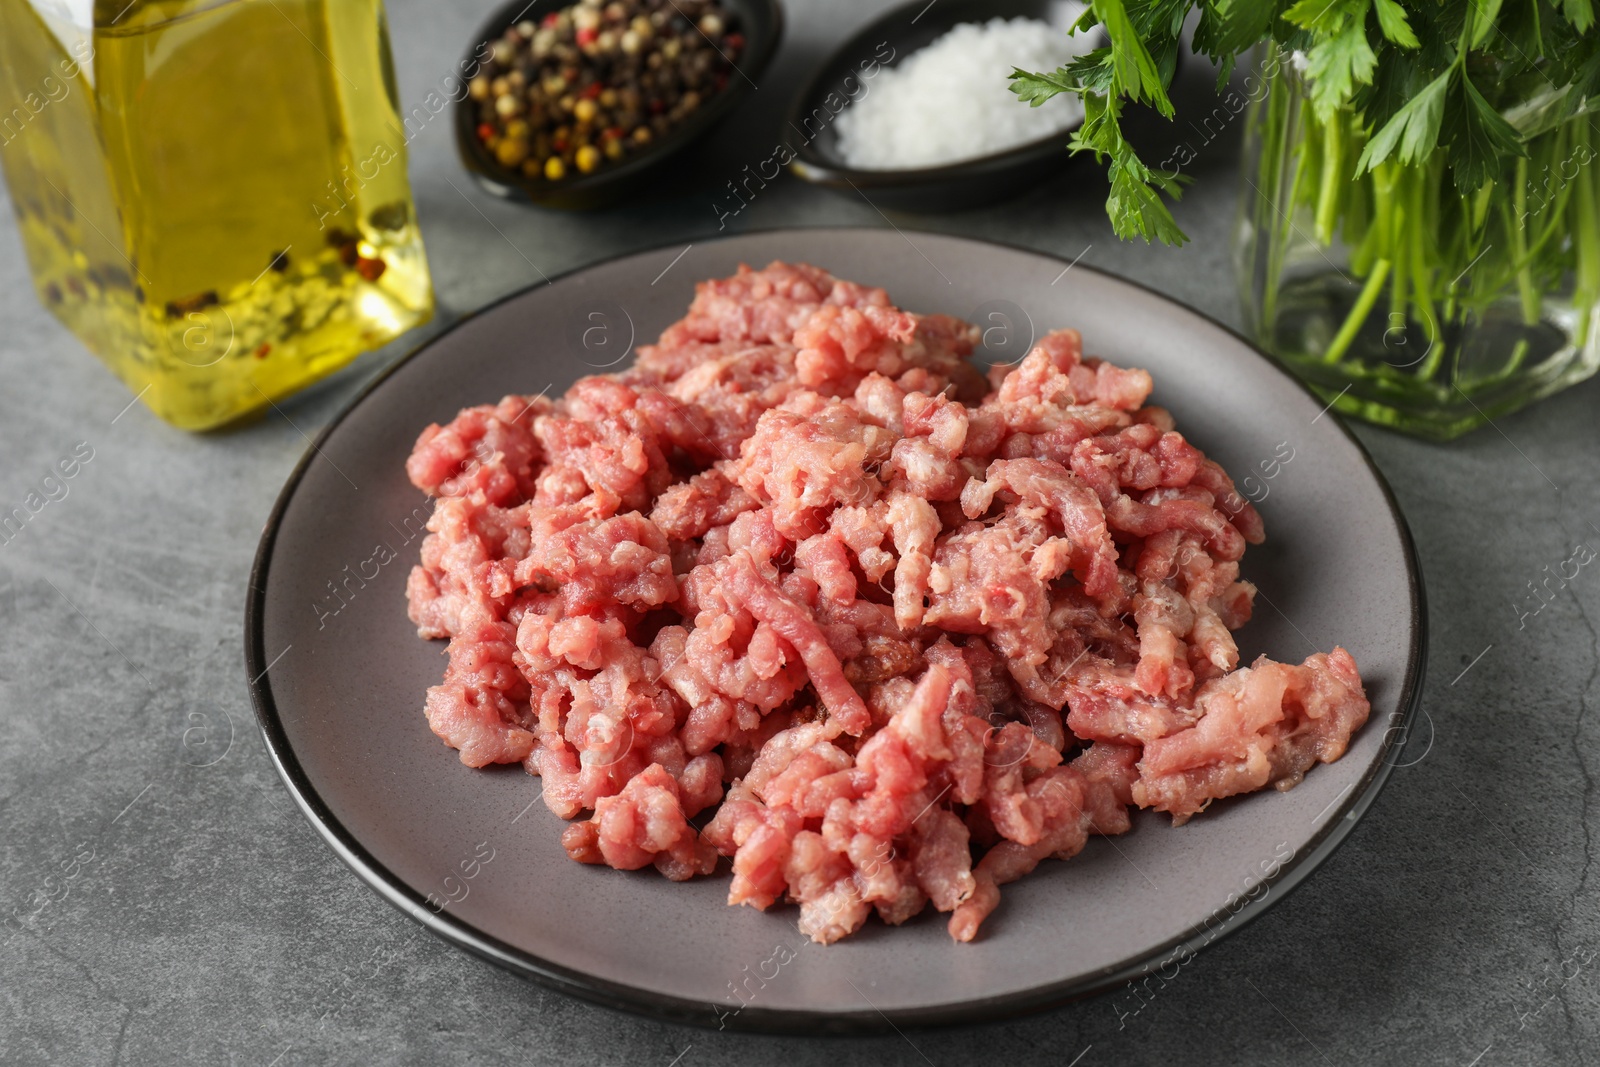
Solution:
(262, 350)
(485, 131)
(587, 35)
(592, 90)
(370, 269)
(550, 20)
(734, 40)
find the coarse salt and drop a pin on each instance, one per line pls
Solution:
(952, 100)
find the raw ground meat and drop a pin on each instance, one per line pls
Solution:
(893, 630)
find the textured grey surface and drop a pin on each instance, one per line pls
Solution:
(212, 926)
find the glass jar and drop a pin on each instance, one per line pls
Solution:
(1400, 300)
(212, 193)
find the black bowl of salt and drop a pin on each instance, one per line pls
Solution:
(825, 141)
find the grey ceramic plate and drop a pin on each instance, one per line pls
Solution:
(339, 678)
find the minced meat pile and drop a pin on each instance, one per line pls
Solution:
(805, 589)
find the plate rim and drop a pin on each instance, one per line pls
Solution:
(621, 996)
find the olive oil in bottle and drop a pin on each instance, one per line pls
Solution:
(212, 193)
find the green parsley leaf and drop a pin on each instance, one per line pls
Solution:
(1585, 85)
(1037, 88)
(1399, 77)
(1336, 66)
(1520, 32)
(1392, 21)
(1481, 142)
(1483, 14)
(1153, 18)
(1099, 132)
(1136, 74)
(1414, 129)
(1578, 12)
(1093, 71)
(1137, 210)
(1228, 27)
(1439, 29)
(1134, 206)
(1326, 16)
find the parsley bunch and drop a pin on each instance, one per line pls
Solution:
(1444, 145)
(1476, 79)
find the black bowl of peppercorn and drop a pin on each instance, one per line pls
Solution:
(574, 105)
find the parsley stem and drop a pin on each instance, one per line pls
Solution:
(1516, 226)
(1275, 212)
(1358, 314)
(1422, 274)
(1555, 216)
(1333, 178)
(1397, 253)
(1587, 238)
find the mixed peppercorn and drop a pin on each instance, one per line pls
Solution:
(598, 81)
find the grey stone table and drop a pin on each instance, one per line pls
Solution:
(1458, 925)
